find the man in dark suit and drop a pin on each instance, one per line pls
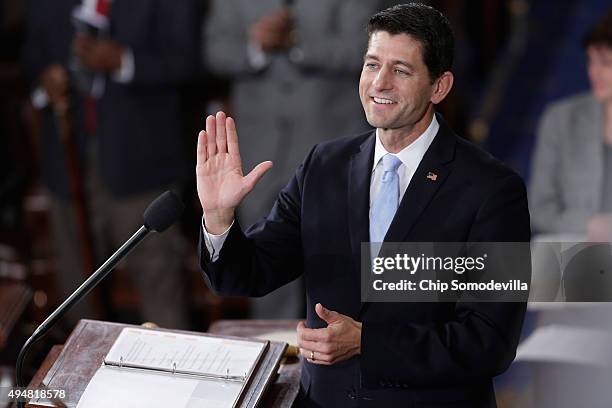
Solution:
(412, 179)
(126, 124)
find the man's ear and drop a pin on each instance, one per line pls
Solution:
(442, 87)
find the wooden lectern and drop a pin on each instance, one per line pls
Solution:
(71, 366)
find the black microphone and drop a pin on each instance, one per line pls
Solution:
(158, 216)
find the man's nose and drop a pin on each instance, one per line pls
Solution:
(383, 80)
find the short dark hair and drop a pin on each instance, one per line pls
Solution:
(600, 33)
(426, 24)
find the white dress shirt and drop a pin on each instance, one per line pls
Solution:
(410, 157)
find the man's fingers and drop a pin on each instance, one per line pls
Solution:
(232, 137)
(322, 358)
(317, 335)
(328, 315)
(300, 329)
(221, 135)
(319, 357)
(319, 347)
(257, 173)
(340, 357)
(201, 155)
(211, 132)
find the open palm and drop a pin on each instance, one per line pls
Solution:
(220, 181)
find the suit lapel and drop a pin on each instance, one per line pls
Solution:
(360, 172)
(358, 200)
(427, 180)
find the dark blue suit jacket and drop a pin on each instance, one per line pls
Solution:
(138, 134)
(412, 354)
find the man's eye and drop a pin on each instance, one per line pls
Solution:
(402, 73)
(370, 65)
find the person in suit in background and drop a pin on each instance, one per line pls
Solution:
(411, 180)
(118, 71)
(571, 183)
(293, 65)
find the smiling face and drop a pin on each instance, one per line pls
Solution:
(600, 72)
(396, 89)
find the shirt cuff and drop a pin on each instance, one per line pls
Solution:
(125, 73)
(39, 98)
(256, 56)
(214, 243)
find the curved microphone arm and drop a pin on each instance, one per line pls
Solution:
(75, 297)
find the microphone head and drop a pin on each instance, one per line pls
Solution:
(163, 212)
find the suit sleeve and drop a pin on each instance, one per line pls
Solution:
(479, 342)
(170, 55)
(266, 257)
(545, 190)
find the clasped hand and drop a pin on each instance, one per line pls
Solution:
(340, 340)
(274, 31)
(96, 54)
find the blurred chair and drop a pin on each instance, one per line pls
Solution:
(15, 298)
(588, 274)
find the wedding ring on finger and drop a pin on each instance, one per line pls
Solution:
(312, 356)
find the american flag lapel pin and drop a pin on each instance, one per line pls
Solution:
(432, 176)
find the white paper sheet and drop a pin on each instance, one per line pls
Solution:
(124, 387)
(186, 353)
(146, 368)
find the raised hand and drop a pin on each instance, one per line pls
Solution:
(221, 183)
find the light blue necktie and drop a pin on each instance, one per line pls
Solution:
(387, 200)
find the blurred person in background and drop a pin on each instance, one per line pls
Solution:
(294, 67)
(116, 66)
(571, 183)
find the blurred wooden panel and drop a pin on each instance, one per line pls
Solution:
(15, 296)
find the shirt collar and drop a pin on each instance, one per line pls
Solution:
(415, 151)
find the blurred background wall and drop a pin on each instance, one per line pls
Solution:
(513, 58)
